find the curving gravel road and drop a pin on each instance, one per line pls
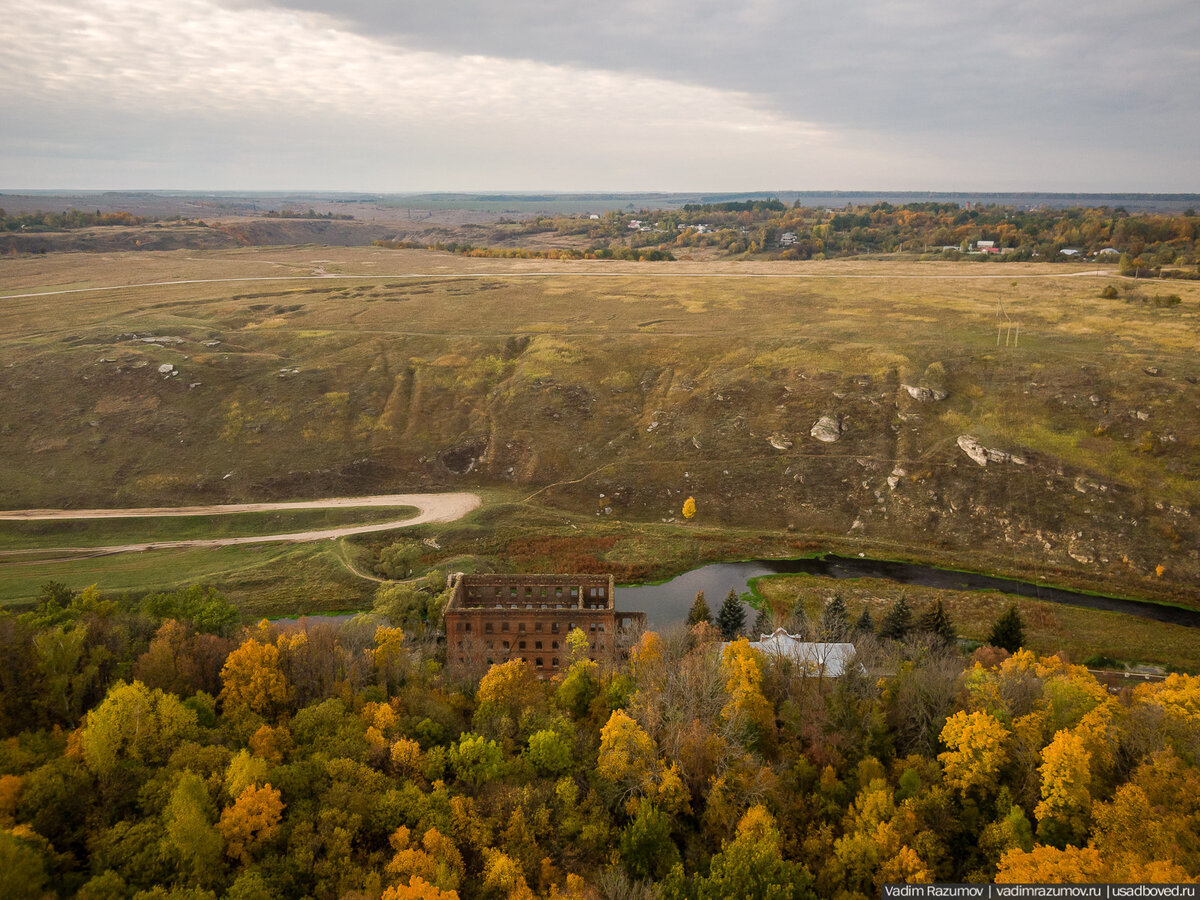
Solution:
(431, 508)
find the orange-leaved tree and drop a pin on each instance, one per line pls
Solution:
(252, 820)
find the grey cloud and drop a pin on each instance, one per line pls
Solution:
(850, 94)
(895, 66)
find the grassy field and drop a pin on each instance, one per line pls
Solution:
(1049, 627)
(269, 579)
(59, 533)
(616, 396)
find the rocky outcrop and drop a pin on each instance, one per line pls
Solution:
(924, 394)
(827, 429)
(984, 455)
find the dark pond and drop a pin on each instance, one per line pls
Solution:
(667, 604)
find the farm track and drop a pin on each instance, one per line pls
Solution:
(430, 508)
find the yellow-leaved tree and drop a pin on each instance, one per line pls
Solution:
(689, 507)
(1082, 865)
(628, 756)
(507, 693)
(1066, 801)
(134, 722)
(435, 860)
(976, 753)
(746, 708)
(389, 655)
(253, 679)
(418, 889)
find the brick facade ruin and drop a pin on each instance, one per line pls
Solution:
(491, 619)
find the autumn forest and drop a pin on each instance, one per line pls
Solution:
(157, 748)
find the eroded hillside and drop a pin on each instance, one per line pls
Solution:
(1023, 420)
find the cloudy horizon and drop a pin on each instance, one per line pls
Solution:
(655, 96)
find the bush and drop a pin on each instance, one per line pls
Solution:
(396, 561)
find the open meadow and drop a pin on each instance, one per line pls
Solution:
(613, 391)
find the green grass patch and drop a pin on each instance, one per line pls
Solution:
(264, 580)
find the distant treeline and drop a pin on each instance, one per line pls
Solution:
(65, 221)
(1145, 243)
(644, 254)
(311, 214)
(757, 206)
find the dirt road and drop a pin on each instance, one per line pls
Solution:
(431, 508)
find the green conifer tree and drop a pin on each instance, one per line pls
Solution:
(699, 611)
(865, 624)
(1009, 631)
(935, 621)
(835, 621)
(731, 617)
(799, 624)
(897, 622)
(762, 622)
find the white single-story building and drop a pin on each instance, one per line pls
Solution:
(820, 658)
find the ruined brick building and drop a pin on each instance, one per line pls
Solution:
(494, 618)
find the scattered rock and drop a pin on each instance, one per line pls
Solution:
(1094, 399)
(1152, 370)
(211, 343)
(1141, 415)
(696, 442)
(167, 369)
(924, 394)
(983, 455)
(780, 441)
(152, 339)
(827, 429)
(894, 478)
(1079, 554)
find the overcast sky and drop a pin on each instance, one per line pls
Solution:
(415, 95)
